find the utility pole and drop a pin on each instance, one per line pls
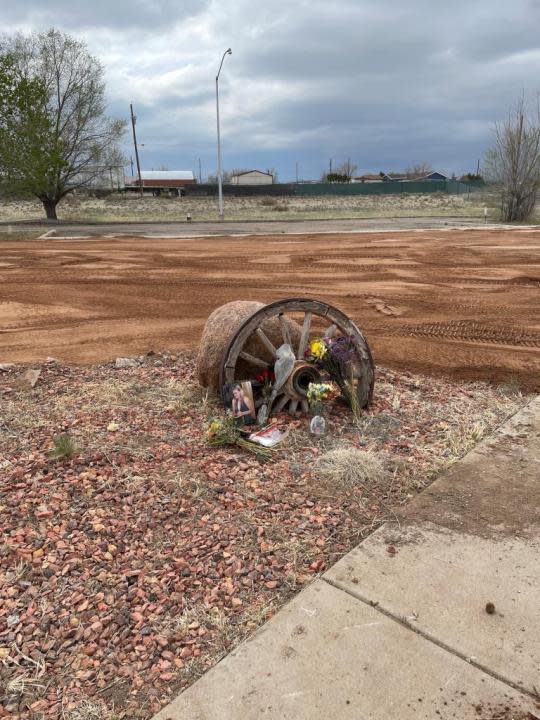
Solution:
(200, 171)
(133, 121)
(478, 167)
(330, 167)
(131, 163)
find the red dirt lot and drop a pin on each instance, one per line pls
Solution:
(460, 303)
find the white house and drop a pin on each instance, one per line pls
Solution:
(252, 177)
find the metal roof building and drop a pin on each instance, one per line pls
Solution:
(163, 178)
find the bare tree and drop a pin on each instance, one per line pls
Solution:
(421, 169)
(347, 168)
(341, 173)
(513, 164)
(63, 140)
(225, 176)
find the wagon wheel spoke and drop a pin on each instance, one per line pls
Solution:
(305, 406)
(263, 337)
(304, 337)
(285, 329)
(293, 405)
(283, 400)
(253, 360)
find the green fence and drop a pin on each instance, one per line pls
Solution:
(454, 187)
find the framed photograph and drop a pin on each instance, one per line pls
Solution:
(238, 399)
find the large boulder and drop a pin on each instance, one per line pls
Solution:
(220, 328)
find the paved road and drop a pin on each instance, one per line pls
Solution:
(399, 628)
(185, 229)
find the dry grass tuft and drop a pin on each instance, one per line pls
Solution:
(64, 448)
(184, 396)
(511, 388)
(30, 681)
(90, 710)
(349, 467)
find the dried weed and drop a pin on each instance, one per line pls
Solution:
(90, 710)
(347, 467)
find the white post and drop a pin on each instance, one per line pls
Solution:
(219, 175)
(219, 172)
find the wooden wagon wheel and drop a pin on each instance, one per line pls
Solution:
(293, 394)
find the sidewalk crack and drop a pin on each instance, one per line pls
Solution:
(401, 620)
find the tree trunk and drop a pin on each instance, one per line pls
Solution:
(50, 208)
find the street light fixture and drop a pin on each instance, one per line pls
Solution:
(220, 178)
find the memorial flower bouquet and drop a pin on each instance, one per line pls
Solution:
(224, 431)
(337, 357)
(317, 393)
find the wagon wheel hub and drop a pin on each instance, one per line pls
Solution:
(303, 373)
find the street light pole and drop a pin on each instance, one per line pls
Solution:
(220, 178)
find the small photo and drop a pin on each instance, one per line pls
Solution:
(238, 399)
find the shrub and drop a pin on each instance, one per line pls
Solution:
(64, 448)
(349, 467)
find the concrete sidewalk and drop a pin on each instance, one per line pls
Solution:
(399, 628)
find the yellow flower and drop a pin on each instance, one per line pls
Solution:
(318, 349)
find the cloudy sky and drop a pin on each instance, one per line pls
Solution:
(386, 83)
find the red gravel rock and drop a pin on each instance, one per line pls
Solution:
(133, 566)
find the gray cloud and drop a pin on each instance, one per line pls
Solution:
(387, 84)
(116, 14)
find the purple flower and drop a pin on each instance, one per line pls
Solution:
(343, 350)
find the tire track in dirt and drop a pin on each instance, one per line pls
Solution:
(520, 282)
(471, 331)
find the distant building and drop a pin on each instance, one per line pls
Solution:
(399, 177)
(252, 177)
(162, 180)
(395, 177)
(435, 176)
(413, 177)
(367, 179)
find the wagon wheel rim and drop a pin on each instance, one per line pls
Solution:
(287, 399)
